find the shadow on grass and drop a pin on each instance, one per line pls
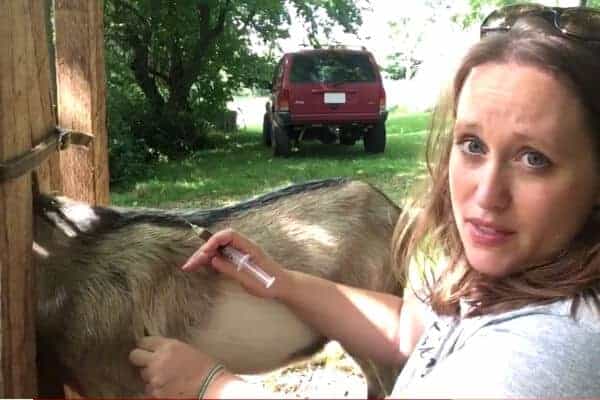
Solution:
(243, 167)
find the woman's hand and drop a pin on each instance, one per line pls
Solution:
(209, 254)
(170, 368)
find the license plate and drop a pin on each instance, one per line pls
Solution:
(335, 98)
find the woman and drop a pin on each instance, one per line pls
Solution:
(515, 183)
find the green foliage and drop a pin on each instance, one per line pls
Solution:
(173, 65)
(401, 67)
(125, 103)
(411, 34)
(408, 34)
(479, 8)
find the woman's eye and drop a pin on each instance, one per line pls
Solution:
(472, 146)
(534, 159)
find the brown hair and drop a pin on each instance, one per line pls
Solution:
(433, 230)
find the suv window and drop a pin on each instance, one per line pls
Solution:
(332, 67)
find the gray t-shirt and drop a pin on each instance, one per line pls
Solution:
(538, 351)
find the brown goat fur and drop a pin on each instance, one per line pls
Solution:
(108, 276)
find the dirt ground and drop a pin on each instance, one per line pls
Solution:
(331, 374)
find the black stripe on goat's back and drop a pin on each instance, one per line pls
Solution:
(208, 217)
(211, 216)
(106, 219)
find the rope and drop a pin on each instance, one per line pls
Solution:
(58, 140)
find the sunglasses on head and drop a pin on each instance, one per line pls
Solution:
(578, 22)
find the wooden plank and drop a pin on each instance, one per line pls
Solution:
(81, 97)
(98, 74)
(23, 116)
(43, 105)
(49, 175)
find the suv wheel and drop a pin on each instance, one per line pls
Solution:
(266, 130)
(280, 141)
(374, 139)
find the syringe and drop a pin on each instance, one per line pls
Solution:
(241, 260)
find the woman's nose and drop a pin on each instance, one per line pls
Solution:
(493, 188)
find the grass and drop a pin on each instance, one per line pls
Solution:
(242, 168)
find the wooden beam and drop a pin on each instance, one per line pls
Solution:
(81, 97)
(25, 117)
(44, 104)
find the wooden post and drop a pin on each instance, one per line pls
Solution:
(49, 175)
(81, 97)
(25, 117)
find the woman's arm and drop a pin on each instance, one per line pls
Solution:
(366, 323)
(369, 324)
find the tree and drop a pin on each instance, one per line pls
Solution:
(407, 34)
(187, 57)
(480, 7)
(413, 35)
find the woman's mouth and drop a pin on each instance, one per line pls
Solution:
(486, 233)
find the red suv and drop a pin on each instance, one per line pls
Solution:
(332, 94)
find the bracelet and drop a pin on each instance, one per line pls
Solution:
(210, 376)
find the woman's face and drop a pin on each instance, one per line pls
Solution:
(523, 170)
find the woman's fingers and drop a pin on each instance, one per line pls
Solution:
(212, 248)
(151, 343)
(145, 374)
(203, 256)
(169, 367)
(240, 242)
(258, 283)
(227, 268)
(140, 357)
(146, 349)
(198, 260)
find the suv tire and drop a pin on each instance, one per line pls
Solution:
(280, 141)
(266, 130)
(374, 138)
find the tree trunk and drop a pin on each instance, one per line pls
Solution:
(178, 98)
(143, 77)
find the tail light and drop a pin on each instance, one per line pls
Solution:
(382, 100)
(283, 100)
